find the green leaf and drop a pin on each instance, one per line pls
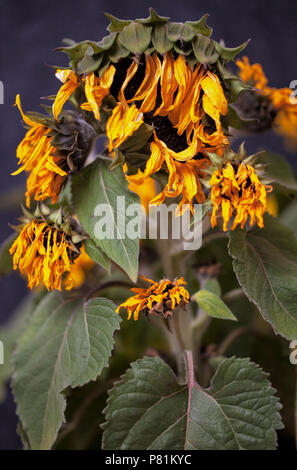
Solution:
(204, 49)
(239, 410)
(279, 173)
(67, 343)
(213, 305)
(201, 26)
(149, 410)
(96, 185)
(6, 264)
(229, 53)
(265, 263)
(97, 255)
(146, 410)
(135, 37)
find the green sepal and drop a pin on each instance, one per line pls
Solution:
(201, 26)
(153, 19)
(160, 39)
(119, 159)
(234, 120)
(136, 37)
(229, 53)
(77, 51)
(138, 140)
(224, 71)
(184, 48)
(235, 87)
(89, 63)
(179, 31)
(204, 49)
(116, 25)
(106, 42)
(117, 52)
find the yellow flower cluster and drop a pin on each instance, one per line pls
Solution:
(237, 191)
(37, 156)
(161, 298)
(43, 254)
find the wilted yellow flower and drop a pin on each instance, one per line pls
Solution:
(285, 120)
(37, 156)
(237, 191)
(161, 298)
(183, 176)
(44, 254)
(183, 103)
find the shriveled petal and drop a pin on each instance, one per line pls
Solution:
(66, 90)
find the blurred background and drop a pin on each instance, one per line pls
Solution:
(31, 29)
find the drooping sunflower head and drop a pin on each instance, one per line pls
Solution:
(159, 90)
(237, 193)
(46, 248)
(161, 298)
(267, 107)
(50, 151)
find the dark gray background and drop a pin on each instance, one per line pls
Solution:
(31, 29)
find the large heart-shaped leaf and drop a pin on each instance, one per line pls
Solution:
(95, 188)
(97, 255)
(265, 263)
(150, 410)
(67, 343)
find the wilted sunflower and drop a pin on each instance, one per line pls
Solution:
(49, 152)
(273, 106)
(44, 251)
(161, 298)
(237, 191)
(166, 94)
